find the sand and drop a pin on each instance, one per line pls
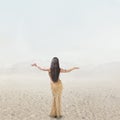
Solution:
(84, 99)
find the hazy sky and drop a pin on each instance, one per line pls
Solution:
(81, 32)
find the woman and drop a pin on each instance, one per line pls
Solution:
(56, 84)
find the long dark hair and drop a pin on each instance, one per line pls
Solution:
(54, 69)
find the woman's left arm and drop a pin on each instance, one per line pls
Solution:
(40, 68)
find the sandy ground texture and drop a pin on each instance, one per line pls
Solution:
(81, 100)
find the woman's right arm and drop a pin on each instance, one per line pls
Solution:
(40, 68)
(68, 70)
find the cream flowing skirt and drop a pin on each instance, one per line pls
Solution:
(56, 103)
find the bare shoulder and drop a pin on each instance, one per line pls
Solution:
(48, 69)
(45, 69)
(62, 70)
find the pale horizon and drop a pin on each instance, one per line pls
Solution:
(79, 33)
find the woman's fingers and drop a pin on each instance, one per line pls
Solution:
(34, 64)
(77, 68)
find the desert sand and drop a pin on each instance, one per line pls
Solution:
(83, 99)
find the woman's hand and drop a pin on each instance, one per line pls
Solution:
(34, 65)
(76, 68)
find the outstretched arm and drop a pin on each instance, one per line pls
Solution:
(68, 70)
(40, 68)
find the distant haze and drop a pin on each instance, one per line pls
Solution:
(78, 32)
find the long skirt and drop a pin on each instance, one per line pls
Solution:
(56, 103)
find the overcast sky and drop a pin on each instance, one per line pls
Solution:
(81, 32)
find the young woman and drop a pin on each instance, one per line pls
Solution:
(56, 84)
